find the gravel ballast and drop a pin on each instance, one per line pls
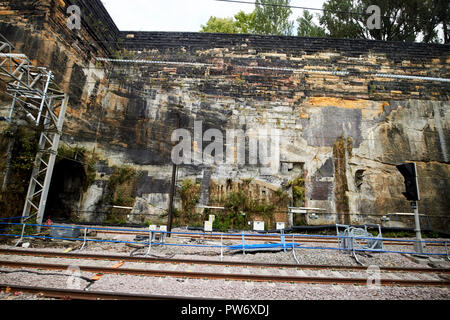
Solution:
(223, 289)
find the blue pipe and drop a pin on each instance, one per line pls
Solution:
(217, 246)
(230, 247)
(232, 234)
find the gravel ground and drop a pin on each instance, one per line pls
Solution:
(217, 269)
(223, 289)
(304, 256)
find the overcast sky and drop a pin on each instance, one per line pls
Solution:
(180, 15)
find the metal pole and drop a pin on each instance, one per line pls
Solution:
(243, 242)
(172, 190)
(221, 247)
(171, 196)
(44, 97)
(84, 239)
(418, 246)
(150, 239)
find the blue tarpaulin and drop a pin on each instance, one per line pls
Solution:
(268, 246)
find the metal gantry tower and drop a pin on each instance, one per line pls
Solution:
(39, 101)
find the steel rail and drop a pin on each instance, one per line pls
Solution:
(71, 255)
(89, 295)
(224, 276)
(262, 237)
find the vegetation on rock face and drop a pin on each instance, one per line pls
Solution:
(298, 197)
(21, 166)
(120, 186)
(342, 150)
(298, 191)
(190, 196)
(120, 193)
(22, 163)
(241, 207)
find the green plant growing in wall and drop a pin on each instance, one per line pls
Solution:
(372, 88)
(123, 54)
(120, 193)
(119, 186)
(190, 196)
(24, 148)
(298, 191)
(26, 151)
(342, 150)
(281, 197)
(239, 209)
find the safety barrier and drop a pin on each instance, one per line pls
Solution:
(243, 246)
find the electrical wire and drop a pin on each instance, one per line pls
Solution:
(363, 14)
(49, 274)
(291, 7)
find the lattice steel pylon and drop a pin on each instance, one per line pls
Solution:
(38, 100)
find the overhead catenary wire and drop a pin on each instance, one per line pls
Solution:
(279, 5)
(354, 13)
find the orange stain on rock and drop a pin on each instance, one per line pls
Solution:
(367, 106)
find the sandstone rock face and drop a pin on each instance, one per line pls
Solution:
(341, 124)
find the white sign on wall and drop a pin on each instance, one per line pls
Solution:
(208, 226)
(258, 225)
(280, 225)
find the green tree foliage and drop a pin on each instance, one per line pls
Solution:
(269, 17)
(307, 27)
(412, 20)
(400, 20)
(438, 15)
(220, 25)
(245, 22)
(240, 23)
(272, 17)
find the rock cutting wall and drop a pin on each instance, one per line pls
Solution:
(342, 126)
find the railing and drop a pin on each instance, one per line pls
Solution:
(284, 244)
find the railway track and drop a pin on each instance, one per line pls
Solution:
(72, 255)
(309, 239)
(230, 276)
(67, 294)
